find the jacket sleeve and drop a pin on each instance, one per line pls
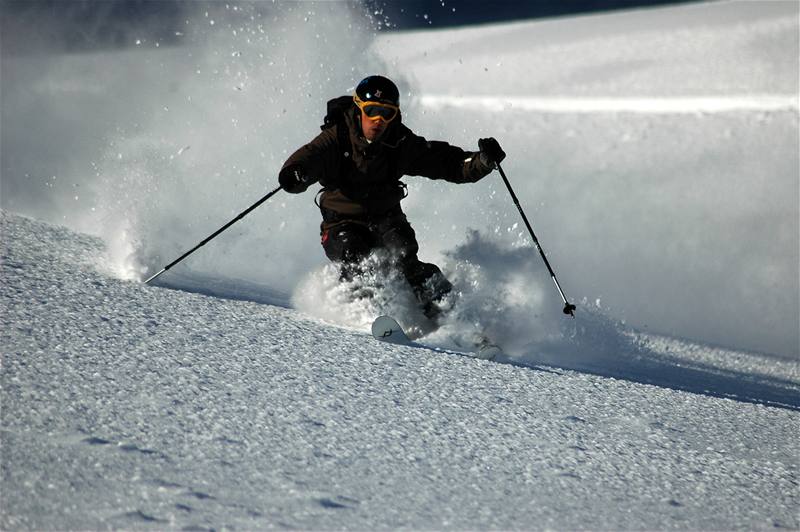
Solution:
(440, 160)
(319, 159)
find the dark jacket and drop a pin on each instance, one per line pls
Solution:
(366, 183)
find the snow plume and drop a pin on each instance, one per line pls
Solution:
(154, 147)
(500, 291)
(505, 293)
(355, 303)
(229, 107)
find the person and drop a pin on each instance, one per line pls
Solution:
(359, 163)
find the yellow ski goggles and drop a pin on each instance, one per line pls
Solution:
(376, 110)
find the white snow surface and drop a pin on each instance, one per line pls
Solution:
(131, 406)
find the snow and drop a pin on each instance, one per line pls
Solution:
(671, 105)
(130, 406)
(655, 152)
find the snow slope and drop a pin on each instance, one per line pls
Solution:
(130, 406)
(656, 153)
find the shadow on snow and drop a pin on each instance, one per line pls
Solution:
(679, 374)
(639, 365)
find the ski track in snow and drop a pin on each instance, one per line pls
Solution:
(130, 406)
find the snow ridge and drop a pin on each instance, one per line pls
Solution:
(664, 105)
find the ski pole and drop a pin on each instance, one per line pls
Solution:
(218, 231)
(569, 308)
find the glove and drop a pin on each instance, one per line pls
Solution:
(491, 152)
(293, 179)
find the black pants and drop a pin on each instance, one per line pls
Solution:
(348, 242)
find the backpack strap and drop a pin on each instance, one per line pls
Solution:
(337, 107)
(345, 148)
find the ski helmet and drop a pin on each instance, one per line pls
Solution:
(378, 89)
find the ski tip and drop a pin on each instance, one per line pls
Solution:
(381, 323)
(386, 329)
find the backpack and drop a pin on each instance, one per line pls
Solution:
(337, 107)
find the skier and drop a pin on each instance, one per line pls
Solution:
(359, 158)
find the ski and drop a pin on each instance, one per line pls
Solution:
(386, 329)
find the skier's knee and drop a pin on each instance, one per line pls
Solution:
(347, 244)
(398, 237)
